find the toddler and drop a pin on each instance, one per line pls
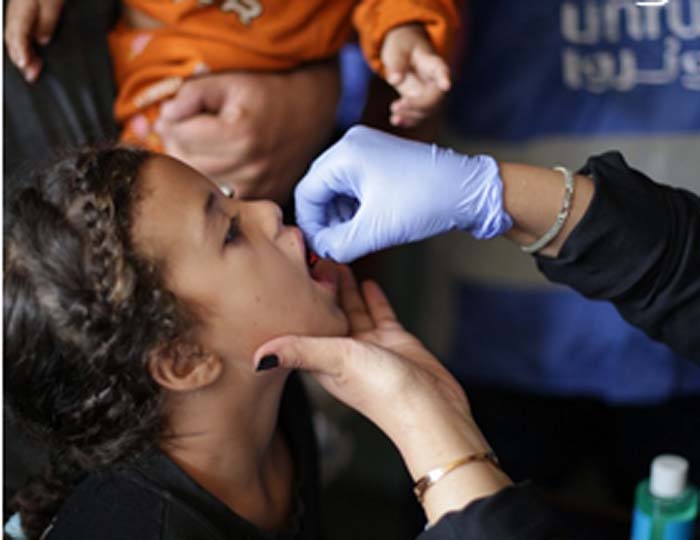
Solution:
(158, 44)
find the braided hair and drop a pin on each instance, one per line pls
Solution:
(82, 312)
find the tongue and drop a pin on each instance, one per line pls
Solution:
(312, 259)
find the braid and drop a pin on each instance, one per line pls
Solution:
(82, 311)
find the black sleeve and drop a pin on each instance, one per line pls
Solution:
(638, 246)
(516, 512)
(110, 508)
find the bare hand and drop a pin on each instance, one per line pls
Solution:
(381, 370)
(28, 21)
(418, 74)
(256, 132)
(386, 374)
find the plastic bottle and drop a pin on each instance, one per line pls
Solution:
(665, 505)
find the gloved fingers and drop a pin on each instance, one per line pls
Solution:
(340, 242)
(49, 13)
(341, 209)
(316, 193)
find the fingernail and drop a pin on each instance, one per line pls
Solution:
(44, 40)
(393, 78)
(268, 362)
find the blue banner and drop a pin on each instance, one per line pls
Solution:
(555, 67)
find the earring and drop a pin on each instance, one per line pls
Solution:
(227, 191)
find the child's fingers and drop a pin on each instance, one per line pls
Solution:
(428, 99)
(411, 86)
(430, 67)
(396, 61)
(407, 119)
(31, 72)
(405, 114)
(19, 21)
(49, 13)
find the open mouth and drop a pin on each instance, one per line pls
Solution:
(323, 274)
(311, 257)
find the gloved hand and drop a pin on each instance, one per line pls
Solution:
(372, 190)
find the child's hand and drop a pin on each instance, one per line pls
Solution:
(27, 21)
(417, 73)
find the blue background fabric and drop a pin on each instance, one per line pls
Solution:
(556, 67)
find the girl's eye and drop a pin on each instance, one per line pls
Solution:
(232, 232)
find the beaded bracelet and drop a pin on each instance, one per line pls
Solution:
(551, 234)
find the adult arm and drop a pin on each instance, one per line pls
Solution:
(429, 419)
(627, 239)
(638, 246)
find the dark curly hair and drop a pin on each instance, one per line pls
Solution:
(82, 312)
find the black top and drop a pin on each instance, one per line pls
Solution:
(153, 499)
(638, 245)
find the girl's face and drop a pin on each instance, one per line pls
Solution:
(232, 259)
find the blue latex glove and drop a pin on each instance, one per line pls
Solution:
(372, 190)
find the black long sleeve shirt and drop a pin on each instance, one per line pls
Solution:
(638, 246)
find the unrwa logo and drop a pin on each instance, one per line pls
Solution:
(653, 3)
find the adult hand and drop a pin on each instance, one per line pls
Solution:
(372, 190)
(27, 21)
(387, 374)
(256, 132)
(379, 363)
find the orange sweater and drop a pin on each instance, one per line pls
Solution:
(195, 37)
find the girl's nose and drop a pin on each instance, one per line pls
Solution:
(269, 216)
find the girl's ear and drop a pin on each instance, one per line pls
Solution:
(182, 367)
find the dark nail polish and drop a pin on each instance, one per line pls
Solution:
(268, 362)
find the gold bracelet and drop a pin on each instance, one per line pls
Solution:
(434, 475)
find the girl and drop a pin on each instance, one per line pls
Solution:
(136, 297)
